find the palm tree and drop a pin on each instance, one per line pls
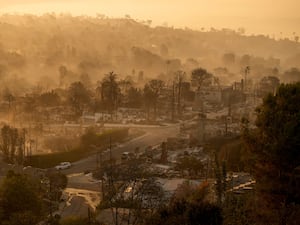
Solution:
(110, 91)
(179, 76)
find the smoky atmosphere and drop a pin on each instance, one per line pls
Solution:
(149, 112)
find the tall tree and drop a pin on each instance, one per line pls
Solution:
(5, 142)
(125, 85)
(199, 76)
(110, 91)
(21, 147)
(275, 145)
(20, 202)
(12, 144)
(179, 76)
(152, 92)
(79, 96)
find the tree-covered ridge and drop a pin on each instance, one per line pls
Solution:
(38, 45)
(126, 30)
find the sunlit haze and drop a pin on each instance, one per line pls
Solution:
(144, 112)
(279, 18)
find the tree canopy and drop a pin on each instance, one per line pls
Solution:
(199, 76)
(19, 200)
(78, 97)
(275, 146)
(278, 123)
(189, 205)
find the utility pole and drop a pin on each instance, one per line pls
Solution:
(228, 114)
(247, 72)
(202, 118)
(89, 216)
(110, 155)
(50, 201)
(110, 162)
(180, 77)
(173, 102)
(102, 180)
(97, 159)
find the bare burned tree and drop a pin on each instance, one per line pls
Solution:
(130, 192)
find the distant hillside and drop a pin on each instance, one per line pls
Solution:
(34, 47)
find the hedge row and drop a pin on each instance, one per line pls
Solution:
(90, 138)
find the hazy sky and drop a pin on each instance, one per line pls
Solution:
(257, 16)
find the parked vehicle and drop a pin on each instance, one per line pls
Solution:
(63, 165)
(128, 156)
(125, 156)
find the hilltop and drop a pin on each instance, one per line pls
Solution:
(35, 47)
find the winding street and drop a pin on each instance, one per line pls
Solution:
(83, 192)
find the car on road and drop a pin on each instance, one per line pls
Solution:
(125, 156)
(63, 165)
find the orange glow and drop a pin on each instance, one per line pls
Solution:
(257, 16)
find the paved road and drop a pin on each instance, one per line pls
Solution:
(152, 137)
(81, 187)
(83, 191)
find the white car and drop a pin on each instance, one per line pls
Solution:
(63, 165)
